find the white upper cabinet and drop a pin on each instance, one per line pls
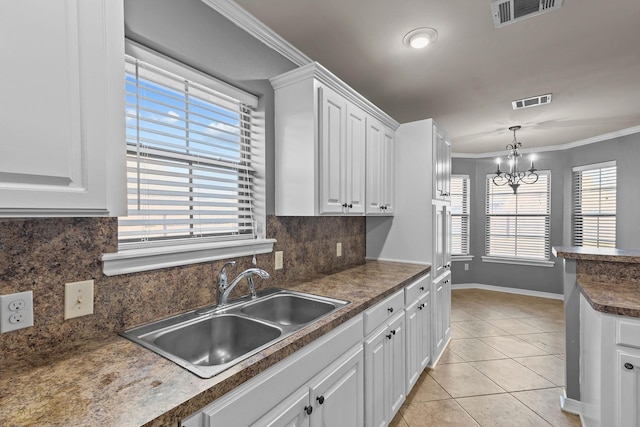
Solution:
(380, 169)
(322, 141)
(62, 107)
(441, 165)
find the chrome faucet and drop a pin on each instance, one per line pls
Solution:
(224, 288)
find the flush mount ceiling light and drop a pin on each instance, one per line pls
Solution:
(420, 37)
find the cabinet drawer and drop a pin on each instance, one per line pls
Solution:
(415, 290)
(378, 314)
(628, 333)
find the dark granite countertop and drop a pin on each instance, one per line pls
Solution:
(116, 382)
(609, 278)
(622, 299)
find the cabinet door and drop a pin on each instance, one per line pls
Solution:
(424, 330)
(375, 141)
(63, 143)
(332, 127)
(441, 166)
(438, 317)
(397, 363)
(446, 308)
(355, 161)
(413, 344)
(338, 394)
(446, 237)
(388, 172)
(376, 381)
(629, 377)
(439, 220)
(293, 412)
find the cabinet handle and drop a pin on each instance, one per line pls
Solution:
(628, 366)
(389, 336)
(350, 205)
(390, 309)
(422, 288)
(446, 281)
(344, 205)
(393, 331)
(421, 306)
(308, 409)
(320, 399)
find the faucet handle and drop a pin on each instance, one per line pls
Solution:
(222, 276)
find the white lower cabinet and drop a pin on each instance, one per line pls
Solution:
(418, 319)
(609, 369)
(385, 380)
(334, 398)
(441, 314)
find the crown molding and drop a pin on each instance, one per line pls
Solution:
(243, 19)
(326, 77)
(579, 143)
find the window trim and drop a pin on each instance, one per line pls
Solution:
(178, 253)
(520, 260)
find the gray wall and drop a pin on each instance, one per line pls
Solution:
(193, 33)
(625, 150)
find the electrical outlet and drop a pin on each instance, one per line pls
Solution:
(339, 249)
(16, 311)
(279, 260)
(78, 299)
(466, 267)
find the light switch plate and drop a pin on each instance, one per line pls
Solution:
(78, 299)
(16, 311)
(339, 249)
(278, 261)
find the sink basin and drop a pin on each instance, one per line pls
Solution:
(288, 309)
(208, 341)
(216, 340)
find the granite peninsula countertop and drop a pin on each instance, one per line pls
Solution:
(116, 382)
(610, 278)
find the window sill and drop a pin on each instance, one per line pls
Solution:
(455, 258)
(528, 262)
(145, 259)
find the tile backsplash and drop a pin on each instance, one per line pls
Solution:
(43, 254)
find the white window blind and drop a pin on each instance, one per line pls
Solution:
(459, 215)
(189, 160)
(594, 205)
(518, 225)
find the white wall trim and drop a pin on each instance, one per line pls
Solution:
(571, 406)
(153, 258)
(455, 258)
(243, 19)
(517, 291)
(586, 141)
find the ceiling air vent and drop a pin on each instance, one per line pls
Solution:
(507, 12)
(531, 102)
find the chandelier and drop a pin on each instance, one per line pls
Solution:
(515, 177)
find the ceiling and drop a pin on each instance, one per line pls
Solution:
(587, 54)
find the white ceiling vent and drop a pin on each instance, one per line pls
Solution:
(531, 102)
(507, 12)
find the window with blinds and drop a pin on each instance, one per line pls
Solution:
(459, 215)
(594, 205)
(189, 160)
(518, 225)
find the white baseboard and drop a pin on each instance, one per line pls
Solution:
(570, 405)
(508, 290)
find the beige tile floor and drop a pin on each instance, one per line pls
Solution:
(504, 366)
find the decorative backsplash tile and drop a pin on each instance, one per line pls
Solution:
(43, 254)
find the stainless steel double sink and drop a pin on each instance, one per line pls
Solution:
(208, 341)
